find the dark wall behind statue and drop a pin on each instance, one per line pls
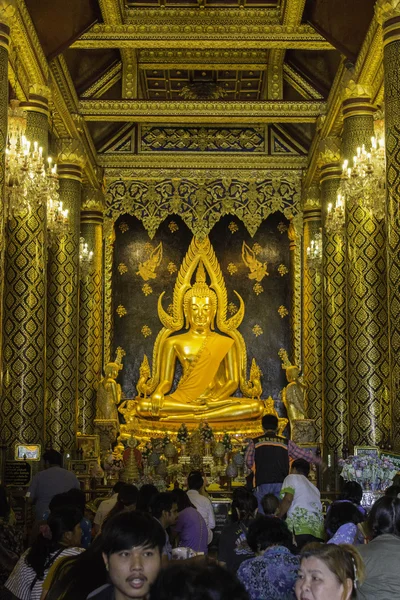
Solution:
(263, 328)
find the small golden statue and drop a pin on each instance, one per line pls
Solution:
(258, 270)
(294, 394)
(214, 364)
(147, 270)
(109, 391)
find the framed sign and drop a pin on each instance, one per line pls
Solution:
(393, 456)
(89, 445)
(81, 468)
(27, 452)
(366, 451)
(17, 473)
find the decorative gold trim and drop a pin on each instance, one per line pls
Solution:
(217, 32)
(300, 84)
(104, 82)
(114, 162)
(151, 111)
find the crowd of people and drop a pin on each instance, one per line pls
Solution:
(149, 545)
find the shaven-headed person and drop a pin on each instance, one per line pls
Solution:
(132, 543)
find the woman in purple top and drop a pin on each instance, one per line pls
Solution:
(190, 527)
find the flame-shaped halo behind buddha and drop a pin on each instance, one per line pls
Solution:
(200, 251)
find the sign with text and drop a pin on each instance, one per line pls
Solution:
(17, 473)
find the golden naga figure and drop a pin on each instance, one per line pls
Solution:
(214, 365)
(293, 395)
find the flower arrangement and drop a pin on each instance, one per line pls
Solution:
(226, 440)
(166, 440)
(147, 450)
(112, 466)
(370, 471)
(207, 434)
(183, 434)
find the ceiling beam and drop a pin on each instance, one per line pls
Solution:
(222, 36)
(300, 84)
(155, 111)
(104, 82)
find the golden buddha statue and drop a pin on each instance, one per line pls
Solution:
(109, 391)
(213, 364)
(293, 395)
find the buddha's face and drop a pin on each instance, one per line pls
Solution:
(200, 312)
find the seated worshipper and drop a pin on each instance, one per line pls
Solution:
(105, 506)
(74, 577)
(53, 480)
(302, 504)
(61, 536)
(132, 543)
(352, 492)
(271, 575)
(382, 555)
(233, 548)
(270, 504)
(165, 510)
(11, 538)
(145, 496)
(127, 498)
(190, 525)
(329, 572)
(75, 498)
(198, 497)
(341, 524)
(187, 581)
(393, 491)
(268, 457)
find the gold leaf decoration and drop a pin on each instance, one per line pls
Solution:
(282, 270)
(122, 268)
(121, 311)
(257, 269)
(258, 288)
(282, 227)
(257, 330)
(146, 331)
(173, 227)
(172, 268)
(283, 311)
(124, 227)
(148, 248)
(257, 249)
(147, 269)
(147, 289)
(170, 309)
(232, 308)
(233, 227)
(232, 269)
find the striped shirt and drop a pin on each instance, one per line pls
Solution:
(23, 576)
(293, 450)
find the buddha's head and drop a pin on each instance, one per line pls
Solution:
(200, 302)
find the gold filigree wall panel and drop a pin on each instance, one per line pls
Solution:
(367, 318)
(312, 322)
(392, 122)
(202, 139)
(4, 31)
(202, 198)
(24, 329)
(62, 324)
(91, 323)
(336, 411)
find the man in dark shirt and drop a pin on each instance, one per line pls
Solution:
(268, 457)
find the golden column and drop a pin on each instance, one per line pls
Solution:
(312, 310)
(24, 337)
(334, 307)
(62, 303)
(367, 321)
(295, 234)
(388, 13)
(4, 44)
(90, 309)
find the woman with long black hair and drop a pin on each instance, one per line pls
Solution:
(60, 536)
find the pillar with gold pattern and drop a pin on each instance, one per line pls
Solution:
(295, 235)
(90, 309)
(334, 306)
(312, 309)
(62, 302)
(367, 328)
(388, 14)
(24, 337)
(4, 44)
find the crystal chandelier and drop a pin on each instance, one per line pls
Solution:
(366, 181)
(314, 252)
(85, 257)
(335, 217)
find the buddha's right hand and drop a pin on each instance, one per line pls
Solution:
(157, 401)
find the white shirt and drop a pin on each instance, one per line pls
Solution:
(104, 509)
(205, 508)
